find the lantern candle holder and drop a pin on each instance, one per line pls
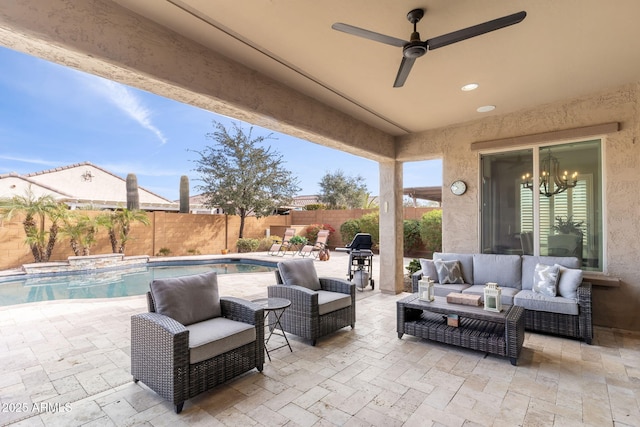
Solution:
(425, 289)
(492, 300)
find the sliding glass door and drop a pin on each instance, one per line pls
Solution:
(552, 209)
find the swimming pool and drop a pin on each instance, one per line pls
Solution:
(114, 283)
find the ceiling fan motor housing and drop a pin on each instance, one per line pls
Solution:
(414, 49)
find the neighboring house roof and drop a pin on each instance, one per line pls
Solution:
(302, 201)
(81, 184)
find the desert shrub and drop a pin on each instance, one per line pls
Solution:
(246, 244)
(193, 251)
(265, 243)
(348, 229)
(163, 252)
(431, 230)
(412, 239)
(370, 224)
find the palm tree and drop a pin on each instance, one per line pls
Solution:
(81, 230)
(119, 225)
(36, 211)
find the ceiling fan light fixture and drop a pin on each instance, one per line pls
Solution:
(469, 87)
(486, 108)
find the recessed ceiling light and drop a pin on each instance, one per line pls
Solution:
(486, 108)
(469, 87)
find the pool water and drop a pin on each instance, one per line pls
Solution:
(108, 283)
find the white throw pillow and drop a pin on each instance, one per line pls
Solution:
(569, 282)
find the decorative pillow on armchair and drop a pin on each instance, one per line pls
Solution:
(300, 272)
(545, 279)
(448, 271)
(187, 299)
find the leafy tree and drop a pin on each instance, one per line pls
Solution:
(431, 230)
(241, 177)
(339, 191)
(119, 225)
(36, 211)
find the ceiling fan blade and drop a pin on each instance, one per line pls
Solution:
(403, 71)
(360, 32)
(476, 30)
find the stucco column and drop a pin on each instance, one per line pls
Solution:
(391, 220)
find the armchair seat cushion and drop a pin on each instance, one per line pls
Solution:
(536, 301)
(216, 336)
(332, 301)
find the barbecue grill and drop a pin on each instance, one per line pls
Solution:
(360, 266)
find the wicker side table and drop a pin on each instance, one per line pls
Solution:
(496, 333)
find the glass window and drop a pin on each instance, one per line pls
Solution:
(561, 215)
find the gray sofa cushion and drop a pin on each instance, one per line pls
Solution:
(529, 265)
(428, 269)
(332, 301)
(506, 294)
(299, 272)
(466, 263)
(569, 282)
(535, 301)
(448, 271)
(505, 270)
(213, 337)
(187, 299)
(545, 279)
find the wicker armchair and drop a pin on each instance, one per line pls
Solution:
(166, 355)
(317, 312)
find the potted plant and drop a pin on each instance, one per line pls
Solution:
(568, 238)
(568, 226)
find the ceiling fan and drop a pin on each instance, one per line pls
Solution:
(414, 48)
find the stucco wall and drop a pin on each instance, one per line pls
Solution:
(615, 307)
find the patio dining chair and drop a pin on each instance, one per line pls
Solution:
(192, 340)
(319, 245)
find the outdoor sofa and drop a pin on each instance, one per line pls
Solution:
(567, 313)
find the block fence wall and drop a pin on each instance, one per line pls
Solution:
(183, 234)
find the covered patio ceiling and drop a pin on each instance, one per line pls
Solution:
(561, 50)
(424, 193)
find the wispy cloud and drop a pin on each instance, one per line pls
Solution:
(127, 101)
(30, 160)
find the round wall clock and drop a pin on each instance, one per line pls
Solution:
(458, 187)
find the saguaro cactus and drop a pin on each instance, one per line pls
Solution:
(133, 198)
(184, 194)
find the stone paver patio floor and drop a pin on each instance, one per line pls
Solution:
(67, 363)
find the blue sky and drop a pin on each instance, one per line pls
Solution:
(52, 116)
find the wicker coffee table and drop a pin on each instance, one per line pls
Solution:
(496, 333)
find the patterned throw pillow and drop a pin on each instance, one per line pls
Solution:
(448, 271)
(545, 279)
